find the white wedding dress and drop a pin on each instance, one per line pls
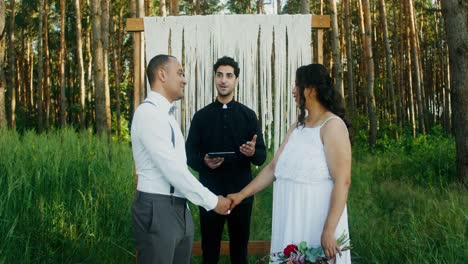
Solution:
(302, 191)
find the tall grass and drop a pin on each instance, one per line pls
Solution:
(65, 198)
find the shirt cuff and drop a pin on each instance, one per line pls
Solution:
(210, 202)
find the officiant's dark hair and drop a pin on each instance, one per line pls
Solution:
(155, 63)
(227, 61)
(316, 76)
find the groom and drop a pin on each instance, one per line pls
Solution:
(162, 221)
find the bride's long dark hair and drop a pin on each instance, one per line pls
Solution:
(316, 76)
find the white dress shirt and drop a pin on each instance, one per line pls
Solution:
(159, 164)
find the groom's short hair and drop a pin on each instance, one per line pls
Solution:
(155, 63)
(227, 61)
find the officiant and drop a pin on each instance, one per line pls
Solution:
(223, 141)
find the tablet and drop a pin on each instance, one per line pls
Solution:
(220, 154)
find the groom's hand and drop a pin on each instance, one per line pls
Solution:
(223, 206)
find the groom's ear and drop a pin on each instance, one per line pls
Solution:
(161, 74)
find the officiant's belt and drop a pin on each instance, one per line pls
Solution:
(161, 198)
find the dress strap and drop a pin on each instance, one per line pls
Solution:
(334, 117)
(328, 119)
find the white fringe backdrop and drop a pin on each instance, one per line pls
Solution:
(268, 48)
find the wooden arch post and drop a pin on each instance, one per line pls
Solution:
(136, 25)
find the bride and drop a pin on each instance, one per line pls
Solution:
(311, 170)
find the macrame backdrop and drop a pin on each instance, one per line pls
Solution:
(268, 48)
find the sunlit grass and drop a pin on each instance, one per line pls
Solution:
(65, 197)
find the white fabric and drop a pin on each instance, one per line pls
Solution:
(158, 163)
(198, 41)
(301, 193)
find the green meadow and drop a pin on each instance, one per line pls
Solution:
(65, 197)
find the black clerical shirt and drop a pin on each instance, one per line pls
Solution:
(218, 128)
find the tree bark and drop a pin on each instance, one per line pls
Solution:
(349, 59)
(98, 68)
(3, 121)
(370, 74)
(456, 25)
(117, 29)
(11, 65)
(174, 7)
(260, 7)
(81, 69)
(337, 67)
(105, 53)
(40, 67)
(46, 81)
(197, 6)
(63, 97)
(162, 7)
(388, 60)
(416, 66)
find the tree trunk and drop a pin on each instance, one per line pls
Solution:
(40, 69)
(370, 74)
(337, 68)
(260, 7)
(416, 66)
(3, 121)
(46, 81)
(11, 65)
(162, 7)
(63, 97)
(117, 29)
(349, 59)
(456, 25)
(79, 50)
(362, 62)
(98, 68)
(388, 60)
(305, 7)
(174, 7)
(197, 5)
(105, 45)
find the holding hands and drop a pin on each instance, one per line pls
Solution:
(224, 206)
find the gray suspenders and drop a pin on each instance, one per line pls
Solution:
(172, 139)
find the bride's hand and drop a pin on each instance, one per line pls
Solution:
(329, 245)
(236, 199)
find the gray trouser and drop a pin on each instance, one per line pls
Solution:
(163, 229)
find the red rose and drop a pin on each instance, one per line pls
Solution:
(288, 249)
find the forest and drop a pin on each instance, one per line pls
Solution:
(68, 93)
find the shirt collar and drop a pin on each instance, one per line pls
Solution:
(218, 104)
(159, 100)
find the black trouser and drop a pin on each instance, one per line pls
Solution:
(212, 225)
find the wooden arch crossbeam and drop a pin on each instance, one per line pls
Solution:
(136, 26)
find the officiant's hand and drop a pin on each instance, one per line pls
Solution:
(248, 149)
(213, 163)
(329, 245)
(236, 199)
(223, 206)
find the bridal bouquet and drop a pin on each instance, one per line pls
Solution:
(302, 254)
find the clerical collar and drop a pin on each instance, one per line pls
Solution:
(224, 106)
